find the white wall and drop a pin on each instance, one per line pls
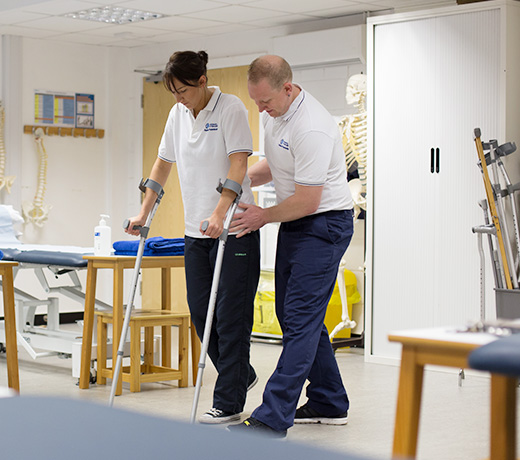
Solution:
(77, 167)
(85, 177)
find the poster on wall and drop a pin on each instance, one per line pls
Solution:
(84, 110)
(54, 108)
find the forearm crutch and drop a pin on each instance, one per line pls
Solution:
(237, 188)
(492, 207)
(143, 232)
(502, 151)
(498, 275)
(500, 195)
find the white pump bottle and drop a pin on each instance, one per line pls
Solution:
(103, 238)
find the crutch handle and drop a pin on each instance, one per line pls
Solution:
(204, 225)
(126, 223)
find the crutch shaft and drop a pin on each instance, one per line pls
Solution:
(128, 314)
(211, 307)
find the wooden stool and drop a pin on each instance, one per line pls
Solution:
(138, 373)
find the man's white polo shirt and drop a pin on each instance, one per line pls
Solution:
(201, 147)
(304, 147)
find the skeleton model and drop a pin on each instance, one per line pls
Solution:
(354, 133)
(37, 212)
(4, 181)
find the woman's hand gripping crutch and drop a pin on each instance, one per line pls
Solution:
(237, 188)
(143, 232)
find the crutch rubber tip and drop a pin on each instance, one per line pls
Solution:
(477, 132)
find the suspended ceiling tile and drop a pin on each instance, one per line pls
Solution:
(174, 7)
(182, 23)
(284, 20)
(6, 5)
(58, 7)
(18, 16)
(83, 39)
(128, 43)
(61, 24)
(236, 13)
(298, 6)
(171, 36)
(225, 29)
(25, 32)
(343, 11)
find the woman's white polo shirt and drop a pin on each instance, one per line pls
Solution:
(201, 148)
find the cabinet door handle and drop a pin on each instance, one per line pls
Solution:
(438, 159)
(432, 160)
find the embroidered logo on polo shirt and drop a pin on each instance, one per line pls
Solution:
(284, 144)
(211, 127)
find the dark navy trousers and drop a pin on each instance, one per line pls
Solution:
(307, 258)
(230, 338)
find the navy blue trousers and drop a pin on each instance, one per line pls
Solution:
(230, 338)
(308, 254)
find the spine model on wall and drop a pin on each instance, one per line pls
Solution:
(5, 181)
(37, 212)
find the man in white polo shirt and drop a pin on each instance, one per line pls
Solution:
(305, 160)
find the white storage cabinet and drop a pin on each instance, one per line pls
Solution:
(434, 76)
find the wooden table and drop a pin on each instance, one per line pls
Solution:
(447, 347)
(118, 264)
(11, 347)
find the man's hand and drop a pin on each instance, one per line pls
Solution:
(248, 221)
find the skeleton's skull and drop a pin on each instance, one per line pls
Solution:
(356, 86)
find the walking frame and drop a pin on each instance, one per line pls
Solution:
(143, 231)
(237, 188)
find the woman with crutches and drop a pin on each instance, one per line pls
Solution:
(207, 135)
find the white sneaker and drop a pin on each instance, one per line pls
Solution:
(215, 416)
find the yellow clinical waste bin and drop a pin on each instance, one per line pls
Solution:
(265, 321)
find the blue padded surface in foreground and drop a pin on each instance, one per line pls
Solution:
(62, 429)
(62, 259)
(501, 356)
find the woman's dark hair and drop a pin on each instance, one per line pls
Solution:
(186, 67)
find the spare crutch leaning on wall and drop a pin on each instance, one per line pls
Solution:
(490, 195)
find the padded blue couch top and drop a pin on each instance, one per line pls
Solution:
(501, 356)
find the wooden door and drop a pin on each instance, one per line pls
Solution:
(169, 219)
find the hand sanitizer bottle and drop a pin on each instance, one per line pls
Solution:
(103, 238)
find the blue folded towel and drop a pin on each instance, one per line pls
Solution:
(155, 246)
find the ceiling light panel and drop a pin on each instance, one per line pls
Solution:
(114, 15)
